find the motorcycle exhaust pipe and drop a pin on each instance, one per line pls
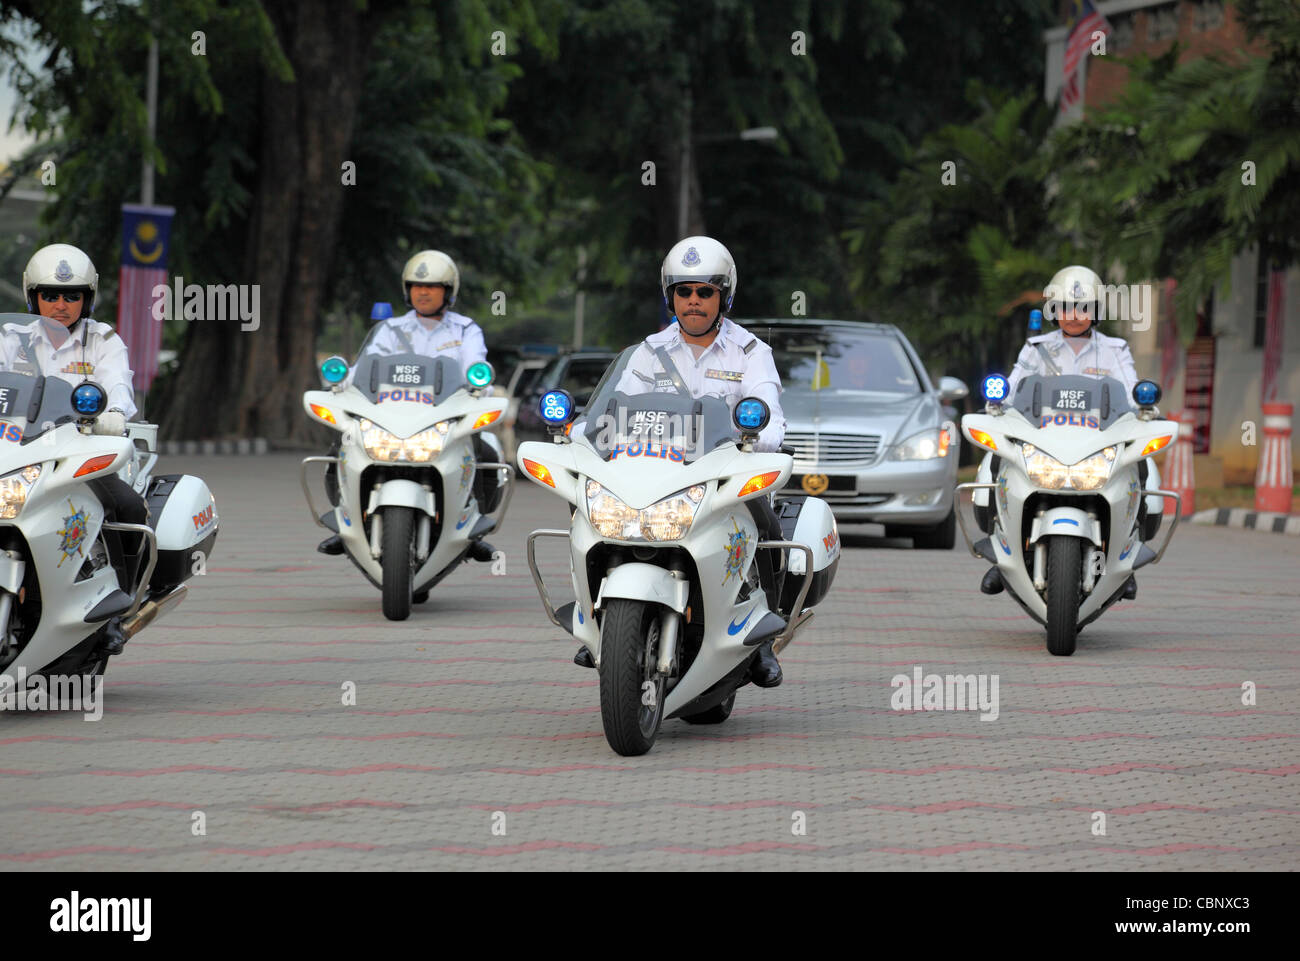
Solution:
(150, 611)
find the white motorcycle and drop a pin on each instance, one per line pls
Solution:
(664, 550)
(1068, 527)
(59, 586)
(406, 510)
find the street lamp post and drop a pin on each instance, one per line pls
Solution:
(684, 185)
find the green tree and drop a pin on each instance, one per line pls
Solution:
(1193, 164)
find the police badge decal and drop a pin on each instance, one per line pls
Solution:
(692, 258)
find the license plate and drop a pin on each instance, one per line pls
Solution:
(1072, 399)
(406, 374)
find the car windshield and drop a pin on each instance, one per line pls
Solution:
(640, 409)
(386, 374)
(832, 358)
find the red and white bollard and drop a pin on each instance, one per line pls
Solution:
(1179, 476)
(1273, 480)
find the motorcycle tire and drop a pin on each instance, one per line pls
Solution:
(397, 543)
(1064, 593)
(629, 650)
(714, 715)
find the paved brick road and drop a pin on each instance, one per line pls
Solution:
(232, 706)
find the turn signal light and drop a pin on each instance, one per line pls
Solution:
(758, 482)
(485, 419)
(539, 471)
(324, 413)
(983, 439)
(95, 464)
(1158, 444)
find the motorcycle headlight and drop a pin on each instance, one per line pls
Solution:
(926, 445)
(664, 520)
(14, 488)
(416, 449)
(1089, 474)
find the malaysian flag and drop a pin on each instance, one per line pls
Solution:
(1085, 21)
(146, 235)
(1273, 335)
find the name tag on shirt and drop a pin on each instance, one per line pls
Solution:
(734, 375)
(449, 345)
(1099, 371)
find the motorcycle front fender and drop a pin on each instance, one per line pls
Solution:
(645, 582)
(1069, 521)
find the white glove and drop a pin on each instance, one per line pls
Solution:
(111, 422)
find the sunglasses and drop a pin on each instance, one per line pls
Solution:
(54, 296)
(685, 290)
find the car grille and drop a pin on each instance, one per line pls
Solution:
(833, 451)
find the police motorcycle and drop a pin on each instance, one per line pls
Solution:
(59, 560)
(664, 549)
(1070, 519)
(406, 510)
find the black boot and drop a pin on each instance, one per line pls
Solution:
(766, 670)
(114, 640)
(583, 658)
(992, 583)
(1130, 589)
(481, 551)
(331, 545)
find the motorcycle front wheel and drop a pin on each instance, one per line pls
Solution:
(1064, 593)
(631, 693)
(397, 542)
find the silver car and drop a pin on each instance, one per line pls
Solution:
(870, 433)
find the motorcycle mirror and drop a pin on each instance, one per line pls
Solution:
(89, 399)
(751, 416)
(479, 374)
(1146, 393)
(995, 389)
(334, 370)
(556, 408)
(382, 310)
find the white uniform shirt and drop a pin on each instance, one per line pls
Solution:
(1101, 356)
(736, 365)
(455, 336)
(92, 352)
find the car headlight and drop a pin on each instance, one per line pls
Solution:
(1089, 474)
(14, 488)
(416, 449)
(664, 520)
(927, 445)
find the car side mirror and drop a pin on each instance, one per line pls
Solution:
(951, 389)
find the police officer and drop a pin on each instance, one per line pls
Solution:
(1074, 300)
(430, 282)
(59, 285)
(712, 357)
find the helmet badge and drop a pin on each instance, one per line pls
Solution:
(422, 271)
(63, 273)
(692, 258)
(1076, 292)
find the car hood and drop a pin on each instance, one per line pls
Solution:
(894, 417)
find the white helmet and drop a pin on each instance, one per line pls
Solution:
(1076, 286)
(700, 260)
(431, 267)
(62, 266)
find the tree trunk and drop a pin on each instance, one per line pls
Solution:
(249, 383)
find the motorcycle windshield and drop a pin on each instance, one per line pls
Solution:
(643, 407)
(30, 404)
(1072, 399)
(385, 376)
